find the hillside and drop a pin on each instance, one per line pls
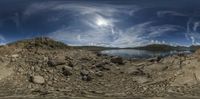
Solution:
(162, 47)
(39, 42)
(43, 67)
(195, 47)
(157, 47)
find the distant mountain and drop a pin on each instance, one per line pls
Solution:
(95, 48)
(156, 47)
(195, 47)
(162, 47)
(48, 43)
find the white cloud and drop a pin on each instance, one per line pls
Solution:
(101, 18)
(82, 8)
(2, 40)
(192, 31)
(157, 42)
(134, 36)
(173, 13)
(156, 31)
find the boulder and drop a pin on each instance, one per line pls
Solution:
(102, 66)
(155, 59)
(85, 75)
(55, 62)
(67, 71)
(37, 79)
(117, 60)
(156, 67)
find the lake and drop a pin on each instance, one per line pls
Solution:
(141, 54)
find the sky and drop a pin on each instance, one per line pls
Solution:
(110, 23)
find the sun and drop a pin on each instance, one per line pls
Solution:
(102, 22)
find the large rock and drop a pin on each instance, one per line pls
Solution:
(155, 59)
(102, 66)
(156, 67)
(85, 75)
(56, 62)
(117, 60)
(184, 79)
(37, 79)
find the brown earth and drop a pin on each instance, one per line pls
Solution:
(43, 67)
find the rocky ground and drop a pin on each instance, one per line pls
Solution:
(46, 68)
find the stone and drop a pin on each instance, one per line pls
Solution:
(38, 79)
(85, 75)
(84, 72)
(106, 67)
(55, 62)
(141, 79)
(101, 64)
(70, 64)
(156, 67)
(115, 94)
(99, 74)
(15, 56)
(117, 60)
(67, 71)
(86, 78)
(155, 59)
(134, 71)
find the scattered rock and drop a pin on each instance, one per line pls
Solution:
(117, 60)
(101, 64)
(149, 78)
(37, 79)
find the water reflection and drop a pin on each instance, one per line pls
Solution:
(132, 53)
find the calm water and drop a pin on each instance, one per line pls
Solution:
(132, 53)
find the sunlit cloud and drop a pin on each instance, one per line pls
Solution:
(117, 25)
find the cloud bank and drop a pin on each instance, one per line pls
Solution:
(99, 23)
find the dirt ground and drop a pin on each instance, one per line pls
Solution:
(45, 68)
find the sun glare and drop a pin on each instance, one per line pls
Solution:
(102, 22)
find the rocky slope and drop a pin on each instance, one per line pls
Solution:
(43, 67)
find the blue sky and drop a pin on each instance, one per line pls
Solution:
(116, 23)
